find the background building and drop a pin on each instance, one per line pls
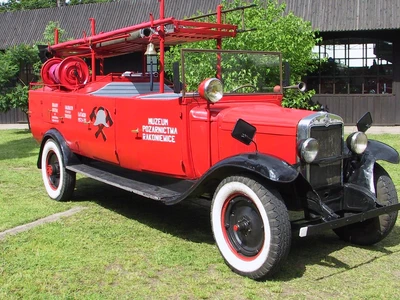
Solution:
(359, 54)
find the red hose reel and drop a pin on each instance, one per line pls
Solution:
(71, 72)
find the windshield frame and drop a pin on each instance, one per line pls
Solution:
(216, 51)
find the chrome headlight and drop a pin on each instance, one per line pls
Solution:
(211, 89)
(308, 150)
(357, 142)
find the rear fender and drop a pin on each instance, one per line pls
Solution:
(364, 174)
(68, 156)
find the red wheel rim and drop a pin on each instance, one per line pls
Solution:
(53, 170)
(242, 227)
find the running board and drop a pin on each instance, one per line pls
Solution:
(144, 189)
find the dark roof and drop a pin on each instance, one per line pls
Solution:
(325, 15)
(348, 15)
(27, 27)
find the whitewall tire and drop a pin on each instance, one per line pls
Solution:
(58, 181)
(251, 226)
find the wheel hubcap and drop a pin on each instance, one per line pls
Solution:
(244, 229)
(53, 170)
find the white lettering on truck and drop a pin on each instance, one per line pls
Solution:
(157, 130)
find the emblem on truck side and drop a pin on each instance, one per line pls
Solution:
(102, 119)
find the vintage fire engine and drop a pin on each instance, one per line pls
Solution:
(215, 129)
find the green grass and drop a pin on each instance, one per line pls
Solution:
(124, 247)
(22, 196)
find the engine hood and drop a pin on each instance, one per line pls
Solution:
(267, 118)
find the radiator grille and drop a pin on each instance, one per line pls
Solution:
(330, 145)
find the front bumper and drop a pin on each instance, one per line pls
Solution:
(354, 218)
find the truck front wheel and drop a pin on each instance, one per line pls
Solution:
(251, 226)
(58, 181)
(376, 229)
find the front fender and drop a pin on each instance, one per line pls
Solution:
(68, 156)
(364, 174)
(268, 167)
(382, 151)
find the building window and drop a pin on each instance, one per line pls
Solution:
(353, 66)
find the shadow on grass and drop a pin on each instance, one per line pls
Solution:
(318, 249)
(191, 221)
(17, 146)
(22, 131)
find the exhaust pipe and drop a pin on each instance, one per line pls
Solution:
(301, 86)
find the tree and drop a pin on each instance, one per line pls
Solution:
(48, 34)
(13, 90)
(75, 2)
(273, 31)
(13, 5)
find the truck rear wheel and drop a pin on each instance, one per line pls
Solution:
(376, 229)
(251, 226)
(58, 181)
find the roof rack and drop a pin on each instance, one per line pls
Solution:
(162, 32)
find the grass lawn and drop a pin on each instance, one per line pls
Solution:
(124, 247)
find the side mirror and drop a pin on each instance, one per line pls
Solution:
(365, 122)
(244, 132)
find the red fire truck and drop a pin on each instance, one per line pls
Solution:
(213, 127)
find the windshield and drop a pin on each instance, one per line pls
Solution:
(240, 71)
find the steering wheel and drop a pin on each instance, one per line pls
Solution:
(244, 86)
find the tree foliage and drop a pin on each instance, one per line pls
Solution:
(14, 5)
(13, 90)
(48, 34)
(272, 30)
(75, 2)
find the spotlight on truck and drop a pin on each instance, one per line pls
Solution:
(211, 89)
